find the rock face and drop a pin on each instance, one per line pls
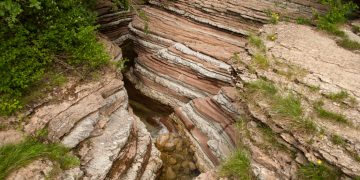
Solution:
(192, 55)
(195, 57)
(96, 122)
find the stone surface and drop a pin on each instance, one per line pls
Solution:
(97, 124)
(10, 137)
(195, 53)
(38, 169)
(194, 56)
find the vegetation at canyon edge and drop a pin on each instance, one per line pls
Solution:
(337, 14)
(14, 156)
(37, 36)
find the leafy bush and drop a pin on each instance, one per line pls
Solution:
(14, 156)
(338, 13)
(37, 33)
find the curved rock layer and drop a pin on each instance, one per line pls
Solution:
(192, 55)
(96, 122)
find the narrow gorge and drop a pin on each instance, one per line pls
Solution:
(202, 80)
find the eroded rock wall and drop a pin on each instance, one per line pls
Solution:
(94, 119)
(193, 54)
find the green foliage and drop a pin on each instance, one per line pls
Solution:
(349, 44)
(14, 156)
(266, 87)
(271, 37)
(257, 42)
(305, 124)
(305, 21)
(317, 172)
(238, 165)
(145, 18)
(323, 113)
(339, 96)
(356, 29)
(121, 64)
(286, 106)
(314, 88)
(336, 139)
(338, 13)
(261, 60)
(289, 106)
(123, 4)
(36, 33)
(274, 17)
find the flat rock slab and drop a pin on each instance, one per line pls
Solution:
(335, 67)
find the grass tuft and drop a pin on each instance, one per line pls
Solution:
(340, 96)
(257, 42)
(14, 156)
(289, 106)
(271, 37)
(286, 106)
(306, 125)
(238, 165)
(317, 172)
(349, 44)
(261, 60)
(338, 140)
(264, 86)
(304, 21)
(323, 113)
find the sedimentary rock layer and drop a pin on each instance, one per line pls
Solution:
(189, 51)
(96, 122)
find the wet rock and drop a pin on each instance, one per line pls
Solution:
(170, 174)
(172, 161)
(177, 158)
(192, 166)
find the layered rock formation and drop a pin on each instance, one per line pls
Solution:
(95, 121)
(195, 57)
(192, 55)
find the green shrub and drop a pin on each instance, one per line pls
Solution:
(14, 156)
(238, 165)
(36, 33)
(338, 13)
